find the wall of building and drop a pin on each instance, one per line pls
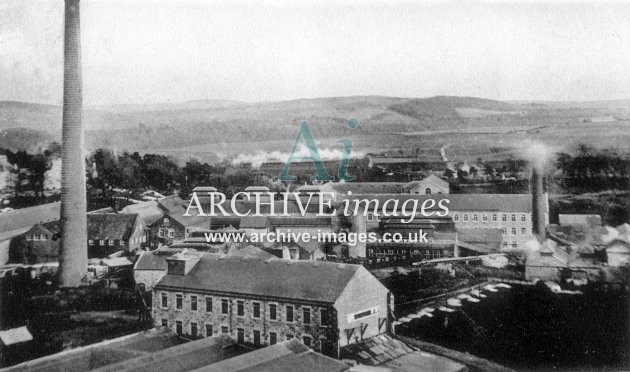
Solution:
(317, 332)
(362, 294)
(516, 231)
(148, 277)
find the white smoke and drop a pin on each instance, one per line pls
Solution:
(261, 157)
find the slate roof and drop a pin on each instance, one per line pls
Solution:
(149, 211)
(460, 202)
(110, 225)
(302, 280)
(20, 219)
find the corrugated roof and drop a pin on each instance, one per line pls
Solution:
(480, 235)
(304, 280)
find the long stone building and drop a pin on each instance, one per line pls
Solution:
(262, 302)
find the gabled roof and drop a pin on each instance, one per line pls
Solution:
(150, 212)
(296, 280)
(173, 204)
(111, 225)
(432, 178)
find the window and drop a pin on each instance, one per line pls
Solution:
(208, 304)
(256, 337)
(465, 217)
(324, 317)
(273, 338)
(161, 233)
(456, 217)
(289, 313)
(475, 217)
(91, 241)
(504, 244)
(494, 217)
(224, 306)
(240, 335)
(514, 245)
(164, 300)
(306, 340)
(513, 217)
(484, 217)
(427, 191)
(514, 231)
(240, 308)
(193, 329)
(171, 233)
(179, 300)
(208, 330)
(523, 231)
(178, 327)
(504, 217)
(370, 217)
(306, 312)
(256, 310)
(523, 217)
(288, 337)
(193, 303)
(504, 231)
(272, 312)
(225, 329)
(101, 242)
(164, 322)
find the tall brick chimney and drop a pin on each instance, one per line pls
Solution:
(73, 252)
(539, 201)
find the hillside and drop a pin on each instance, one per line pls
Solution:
(210, 126)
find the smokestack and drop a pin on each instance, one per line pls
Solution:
(73, 253)
(539, 201)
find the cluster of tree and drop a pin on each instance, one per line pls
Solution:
(594, 170)
(28, 174)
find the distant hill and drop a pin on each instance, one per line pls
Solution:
(140, 127)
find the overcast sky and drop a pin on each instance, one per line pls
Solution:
(146, 51)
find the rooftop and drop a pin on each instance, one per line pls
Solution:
(302, 280)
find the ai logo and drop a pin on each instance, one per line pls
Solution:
(322, 174)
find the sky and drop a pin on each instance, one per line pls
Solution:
(151, 51)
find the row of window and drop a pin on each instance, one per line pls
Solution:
(504, 231)
(484, 217)
(272, 309)
(37, 237)
(513, 244)
(115, 242)
(240, 333)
